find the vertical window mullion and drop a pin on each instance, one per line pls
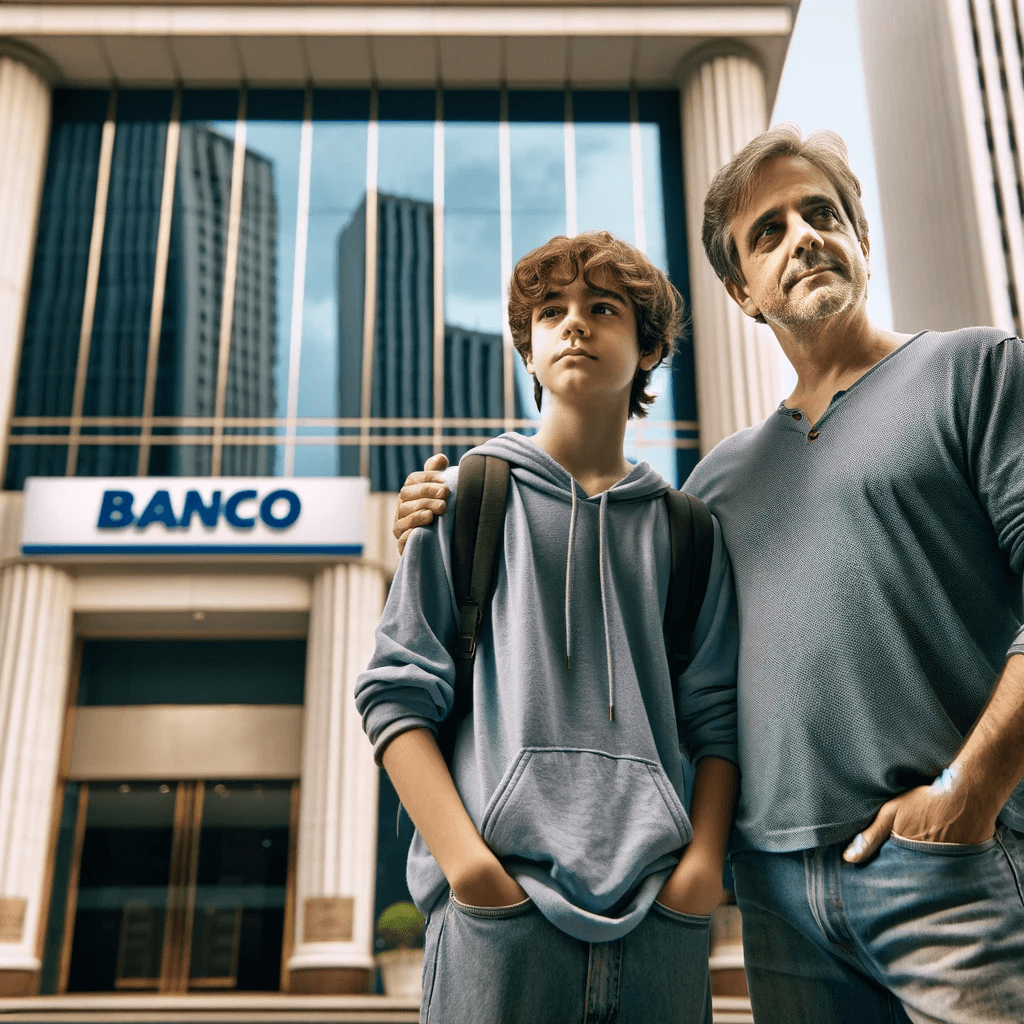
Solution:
(505, 216)
(569, 137)
(438, 268)
(299, 281)
(92, 278)
(230, 272)
(370, 293)
(636, 162)
(163, 245)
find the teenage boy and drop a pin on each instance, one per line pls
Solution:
(556, 864)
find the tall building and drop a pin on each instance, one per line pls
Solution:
(402, 377)
(190, 338)
(946, 98)
(250, 251)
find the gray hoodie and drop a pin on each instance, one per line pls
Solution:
(583, 807)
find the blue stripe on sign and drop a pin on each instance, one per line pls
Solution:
(191, 549)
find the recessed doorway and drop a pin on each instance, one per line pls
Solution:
(177, 886)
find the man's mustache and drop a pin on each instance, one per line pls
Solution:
(806, 265)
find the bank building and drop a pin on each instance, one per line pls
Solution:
(253, 271)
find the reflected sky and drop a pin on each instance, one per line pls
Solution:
(472, 227)
(405, 163)
(337, 194)
(537, 145)
(337, 188)
(604, 178)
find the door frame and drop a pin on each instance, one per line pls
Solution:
(179, 917)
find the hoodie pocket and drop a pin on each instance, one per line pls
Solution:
(593, 821)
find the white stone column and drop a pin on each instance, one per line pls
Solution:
(337, 843)
(25, 131)
(35, 660)
(738, 362)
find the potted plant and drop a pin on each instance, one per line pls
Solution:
(400, 942)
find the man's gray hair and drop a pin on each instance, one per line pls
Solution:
(734, 183)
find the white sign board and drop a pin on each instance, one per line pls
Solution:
(193, 516)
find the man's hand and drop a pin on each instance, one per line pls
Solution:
(486, 884)
(947, 811)
(694, 887)
(422, 497)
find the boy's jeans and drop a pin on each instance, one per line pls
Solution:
(508, 965)
(924, 932)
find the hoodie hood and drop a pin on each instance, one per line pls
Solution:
(540, 470)
(536, 468)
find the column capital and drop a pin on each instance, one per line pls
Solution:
(32, 59)
(716, 48)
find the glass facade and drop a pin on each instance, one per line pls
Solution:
(288, 282)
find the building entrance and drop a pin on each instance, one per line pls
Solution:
(178, 886)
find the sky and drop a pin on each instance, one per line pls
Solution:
(823, 87)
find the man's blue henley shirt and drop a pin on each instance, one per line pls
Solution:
(878, 557)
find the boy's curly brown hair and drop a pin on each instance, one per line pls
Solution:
(656, 301)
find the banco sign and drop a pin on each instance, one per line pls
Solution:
(116, 510)
(198, 515)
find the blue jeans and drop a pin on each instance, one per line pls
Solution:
(509, 965)
(924, 932)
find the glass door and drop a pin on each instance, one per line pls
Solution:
(178, 886)
(238, 897)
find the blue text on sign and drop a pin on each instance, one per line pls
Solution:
(116, 510)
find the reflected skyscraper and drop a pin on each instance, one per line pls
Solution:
(190, 341)
(190, 330)
(402, 380)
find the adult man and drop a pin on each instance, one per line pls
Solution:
(876, 528)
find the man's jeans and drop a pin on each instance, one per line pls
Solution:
(509, 965)
(924, 932)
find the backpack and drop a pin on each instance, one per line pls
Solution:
(476, 532)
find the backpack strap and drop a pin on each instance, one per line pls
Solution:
(692, 535)
(476, 533)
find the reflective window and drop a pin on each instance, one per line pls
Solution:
(50, 342)
(473, 306)
(257, 384)
(122, 672)
(402, 373)
(605, 180)
(119, 342)
(537, 143)
(335, 272)
(188, 360)
(407, 206)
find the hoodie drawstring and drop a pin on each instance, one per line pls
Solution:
(602, 530)
(568, 577)
(602, 533)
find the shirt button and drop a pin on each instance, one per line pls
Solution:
(811, 435)
(797, 416)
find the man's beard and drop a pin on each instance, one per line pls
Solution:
(841, 293)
